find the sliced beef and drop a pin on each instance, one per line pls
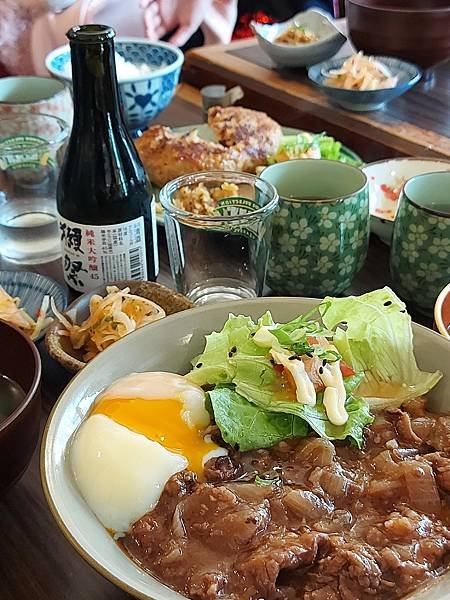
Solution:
(222, 468)
(323, 521)
(276, 553)
(221, 519)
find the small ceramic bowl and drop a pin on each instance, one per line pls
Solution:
(42, 95)
(31, 289)
(142, 97)
(19, 431)
(60, 348)
(386, 180)
(442, 312)
(329, 42)
(365, 100)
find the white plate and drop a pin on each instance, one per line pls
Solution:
(177, 338)
(386, 180)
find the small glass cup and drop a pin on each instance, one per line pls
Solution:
(31, 150)
(221, 255)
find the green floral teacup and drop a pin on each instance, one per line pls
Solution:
(321, 228)
(420, 250)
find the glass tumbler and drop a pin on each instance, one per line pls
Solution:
(31, 150)
(221, 254)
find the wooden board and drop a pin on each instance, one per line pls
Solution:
(417, 124)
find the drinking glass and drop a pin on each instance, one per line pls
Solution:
(420, 250)
(222, 255)
(31, 151)
(321, 227)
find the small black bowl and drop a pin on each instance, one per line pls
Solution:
(19, 431)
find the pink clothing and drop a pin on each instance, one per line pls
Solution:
(29, 30)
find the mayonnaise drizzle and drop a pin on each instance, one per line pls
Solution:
(304, 387)
(334, 395)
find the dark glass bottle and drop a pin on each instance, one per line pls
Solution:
(105, 201)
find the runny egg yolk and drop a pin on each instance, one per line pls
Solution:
(160, 421)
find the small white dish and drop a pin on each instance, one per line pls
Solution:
(386, 180)
(315, 20)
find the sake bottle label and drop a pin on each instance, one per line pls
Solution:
(98, 254)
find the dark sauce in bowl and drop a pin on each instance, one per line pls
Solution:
(11, 396)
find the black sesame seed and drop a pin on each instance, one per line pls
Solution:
(324, 362)
(293, 357)
(233, 349)
(230, 354)
(198, 365)
(344, 322)
(403, 310)
(272, 362)
(252, 334)
(387, 303)
(321, 370)
(309, 354)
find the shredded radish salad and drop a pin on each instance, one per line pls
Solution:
(11, 312)
(110, 318)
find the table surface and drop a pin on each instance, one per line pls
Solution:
(416, 124)
(36, 561)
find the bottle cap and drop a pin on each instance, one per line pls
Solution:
(90, 34)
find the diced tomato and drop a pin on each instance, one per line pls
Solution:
(311, 340)
(286, 374)
(346, 370)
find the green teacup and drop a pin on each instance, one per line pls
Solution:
(420, 250)
(321, 227)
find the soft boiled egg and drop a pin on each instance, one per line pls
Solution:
(142, 429)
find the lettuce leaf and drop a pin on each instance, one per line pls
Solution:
(232, 358)
(248, 427)
(257, 382)
(374, 336)
(213, 366)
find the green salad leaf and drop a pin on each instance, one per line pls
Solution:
(257, 383)
(232, 358)
(213, 366)
(246, 426)
(295, 145)
(374, 336)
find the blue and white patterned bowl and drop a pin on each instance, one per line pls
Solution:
(142, 97)
(31, 289)
(361, 101)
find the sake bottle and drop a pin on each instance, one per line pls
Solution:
(105, 202)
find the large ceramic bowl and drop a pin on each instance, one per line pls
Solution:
(386, 180)
(177, 338)
(366, 100)
(19, 95)
(416, 30)
(329, 42)
(19, 432)
(142, 97)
